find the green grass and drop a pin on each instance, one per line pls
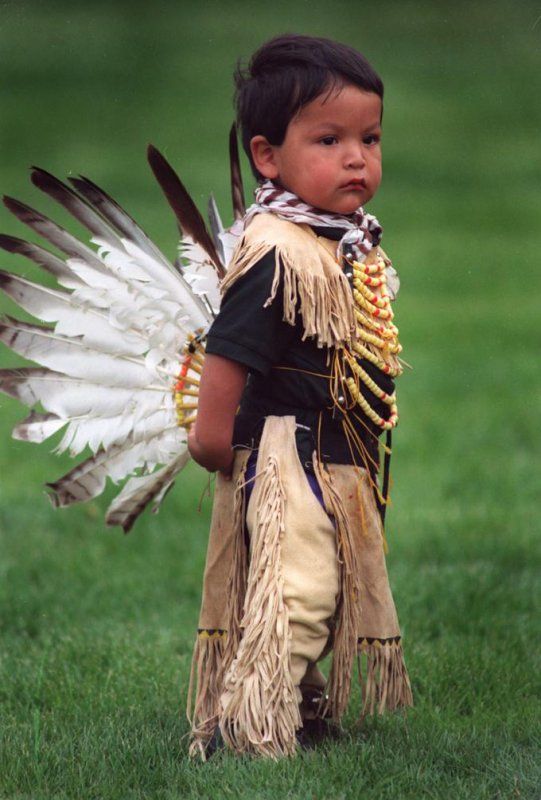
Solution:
(97, 628)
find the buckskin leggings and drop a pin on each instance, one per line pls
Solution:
(309, 569)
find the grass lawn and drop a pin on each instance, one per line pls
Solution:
(97, 628)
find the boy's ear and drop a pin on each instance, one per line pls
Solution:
(264, 157)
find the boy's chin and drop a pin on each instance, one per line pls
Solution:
(346, 207)
(349, 203)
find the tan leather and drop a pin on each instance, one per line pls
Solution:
(309, 567)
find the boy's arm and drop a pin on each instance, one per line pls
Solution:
(220, 390)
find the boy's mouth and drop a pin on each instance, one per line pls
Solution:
(355, 184)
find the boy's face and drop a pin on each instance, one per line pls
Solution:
(331, 154)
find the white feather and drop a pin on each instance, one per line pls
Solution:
(75, 397)
(37, 427)
(171, 280)
(104, 432)
(200, 272)
(72, 317)
(139, 306)
(72, 357)
(137, 492)
(87, 479)
(229, 243)
(393, 281)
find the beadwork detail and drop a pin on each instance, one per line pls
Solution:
(187, 382)
(376, 338)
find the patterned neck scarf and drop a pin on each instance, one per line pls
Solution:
(362, 231)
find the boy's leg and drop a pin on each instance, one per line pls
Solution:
(289, 603)
(310, 576)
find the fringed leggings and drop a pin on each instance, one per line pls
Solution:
(309, 570)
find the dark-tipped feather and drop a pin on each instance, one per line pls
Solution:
(85, 481)
(116, 216)
(77, 207)
(216, 226)
(190, 221)
(51, 263)
(11, 380)
(140, 492)
(52, 232)
(37, 427)
(237, 189)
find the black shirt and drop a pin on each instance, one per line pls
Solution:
(289, 375)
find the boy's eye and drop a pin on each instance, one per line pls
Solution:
(372, 138)
(328, 140)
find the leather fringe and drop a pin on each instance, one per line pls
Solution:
(260, 712)
(387, 685)
(236, 585)
(213, 654)
(348, 608)
(206, 675)
(313, 283)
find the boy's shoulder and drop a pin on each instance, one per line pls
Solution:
(306, 266)
(268, 231)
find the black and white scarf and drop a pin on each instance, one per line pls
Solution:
(362, 230)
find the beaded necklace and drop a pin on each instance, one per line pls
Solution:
(376, 339)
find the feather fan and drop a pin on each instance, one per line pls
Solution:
(115, 355)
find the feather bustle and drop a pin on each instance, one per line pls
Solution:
(109, 362)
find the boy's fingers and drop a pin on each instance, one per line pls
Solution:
(228, 472)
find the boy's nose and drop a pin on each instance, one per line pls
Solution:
(355, 158)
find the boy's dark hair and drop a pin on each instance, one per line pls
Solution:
(288, 72)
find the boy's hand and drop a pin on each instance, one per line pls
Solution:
(220, 390)
(210, 461)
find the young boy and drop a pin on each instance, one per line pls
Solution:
(305, 343)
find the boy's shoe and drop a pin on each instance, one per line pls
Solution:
(315, 731)
(313, 700)
(215, 743)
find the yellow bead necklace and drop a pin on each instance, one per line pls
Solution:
(376, 339)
